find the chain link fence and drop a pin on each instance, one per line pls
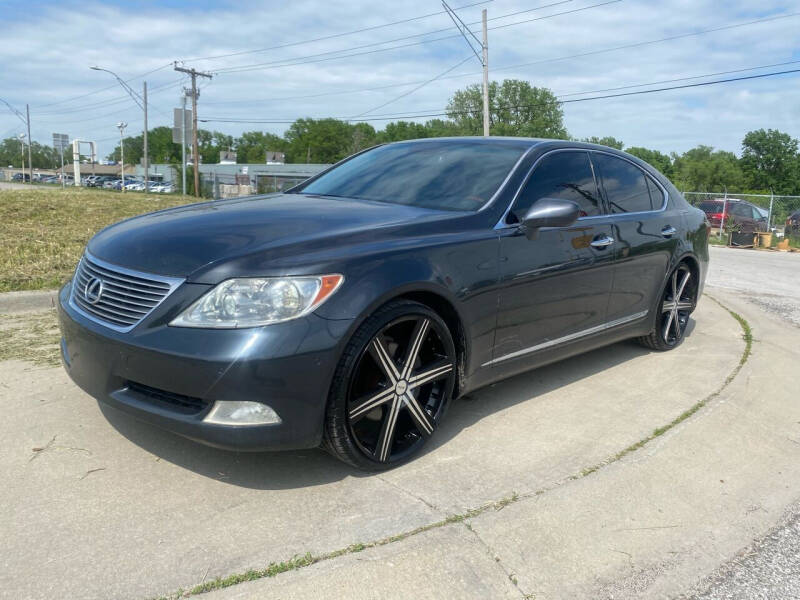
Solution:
(236, 185)
(780, 214)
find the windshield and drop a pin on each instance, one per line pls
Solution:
(444, 175)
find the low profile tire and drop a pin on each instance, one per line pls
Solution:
(391, 387)
(676, 303)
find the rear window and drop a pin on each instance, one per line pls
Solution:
(711, 207)
(443, 175)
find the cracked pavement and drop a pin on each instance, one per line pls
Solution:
(143, 513)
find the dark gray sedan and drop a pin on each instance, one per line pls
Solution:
(351, 310)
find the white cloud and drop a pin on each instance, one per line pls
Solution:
(46, 59)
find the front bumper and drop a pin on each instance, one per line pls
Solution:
(171, 376)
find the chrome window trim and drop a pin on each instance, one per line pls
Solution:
(173, 283)
(568, 338)
(648, 176)
(501, 224)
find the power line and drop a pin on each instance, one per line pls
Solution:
(517, 107)
(117, 100)
(407, 83)
(408, 93)
(97, 91)
(314, 58)
(627, 87)
(335, 35)
(640, 44)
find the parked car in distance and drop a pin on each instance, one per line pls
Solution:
(20, 177)
(349, 311)
(739, 214)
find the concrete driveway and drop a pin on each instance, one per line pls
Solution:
(541, 486)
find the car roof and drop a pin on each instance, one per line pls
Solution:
(544, 143)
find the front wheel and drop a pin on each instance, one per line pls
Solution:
(672, 311)
(391, 387)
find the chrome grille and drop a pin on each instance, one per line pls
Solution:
(122, 298)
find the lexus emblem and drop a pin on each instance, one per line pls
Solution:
(93, 290)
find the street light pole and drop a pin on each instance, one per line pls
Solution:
(146, 158)
(122, 126)
(141, 102)
(30, 139)
(21, 137)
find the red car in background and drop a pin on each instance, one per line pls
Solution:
(740, 214)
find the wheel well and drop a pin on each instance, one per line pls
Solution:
(694, 266)
(447, 311)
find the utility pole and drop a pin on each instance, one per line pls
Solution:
(30, 160)
(122, 127)
(485, 75)
(195, 153)
(146, 159)
(483, 56)
(183, 144)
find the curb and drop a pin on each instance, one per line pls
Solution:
(27, 301)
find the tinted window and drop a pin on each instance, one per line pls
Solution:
(741, 210)
(625, 185)
(711, 207)
(563, 175)
(443, 175)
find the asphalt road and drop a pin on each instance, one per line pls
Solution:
(770, 280)
(97, 505)
(770, 567)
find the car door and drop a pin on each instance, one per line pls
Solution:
(554, 288)
(646, 228)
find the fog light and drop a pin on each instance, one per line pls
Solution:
(228, 412)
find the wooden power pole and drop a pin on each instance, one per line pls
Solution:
(195, 153)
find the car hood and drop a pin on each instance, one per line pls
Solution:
(180, 241)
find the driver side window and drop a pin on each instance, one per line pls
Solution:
(562, 175)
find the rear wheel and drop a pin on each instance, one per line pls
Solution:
(391, 387)
(672, 312)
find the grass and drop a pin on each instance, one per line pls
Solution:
(30, 336)
(308, 559)
(43, 231)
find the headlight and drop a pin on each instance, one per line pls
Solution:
(252, 302)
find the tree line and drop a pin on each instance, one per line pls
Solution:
(769, 161)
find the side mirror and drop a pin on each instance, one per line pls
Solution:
(549, 212)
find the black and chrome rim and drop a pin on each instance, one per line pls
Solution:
(399, 388)
(677, 305)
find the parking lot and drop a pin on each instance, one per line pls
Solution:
(620, 473)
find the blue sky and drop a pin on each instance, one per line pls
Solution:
(47, 47)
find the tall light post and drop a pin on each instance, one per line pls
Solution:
(21, 137)
(121, 125)
(141, 101)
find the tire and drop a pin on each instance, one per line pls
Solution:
(380, 411)
(671, 314)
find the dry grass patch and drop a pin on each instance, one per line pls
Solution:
(43, 232)
(30, 336)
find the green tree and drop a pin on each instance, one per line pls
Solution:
(252, 146)
(402, 130)
(515, 108)
(325, 140)
(159, 145)
(704, 169)
(770, 161)
(609, 141)
(659, 160)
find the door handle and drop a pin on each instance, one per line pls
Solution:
(602, 241)
(669, 231)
